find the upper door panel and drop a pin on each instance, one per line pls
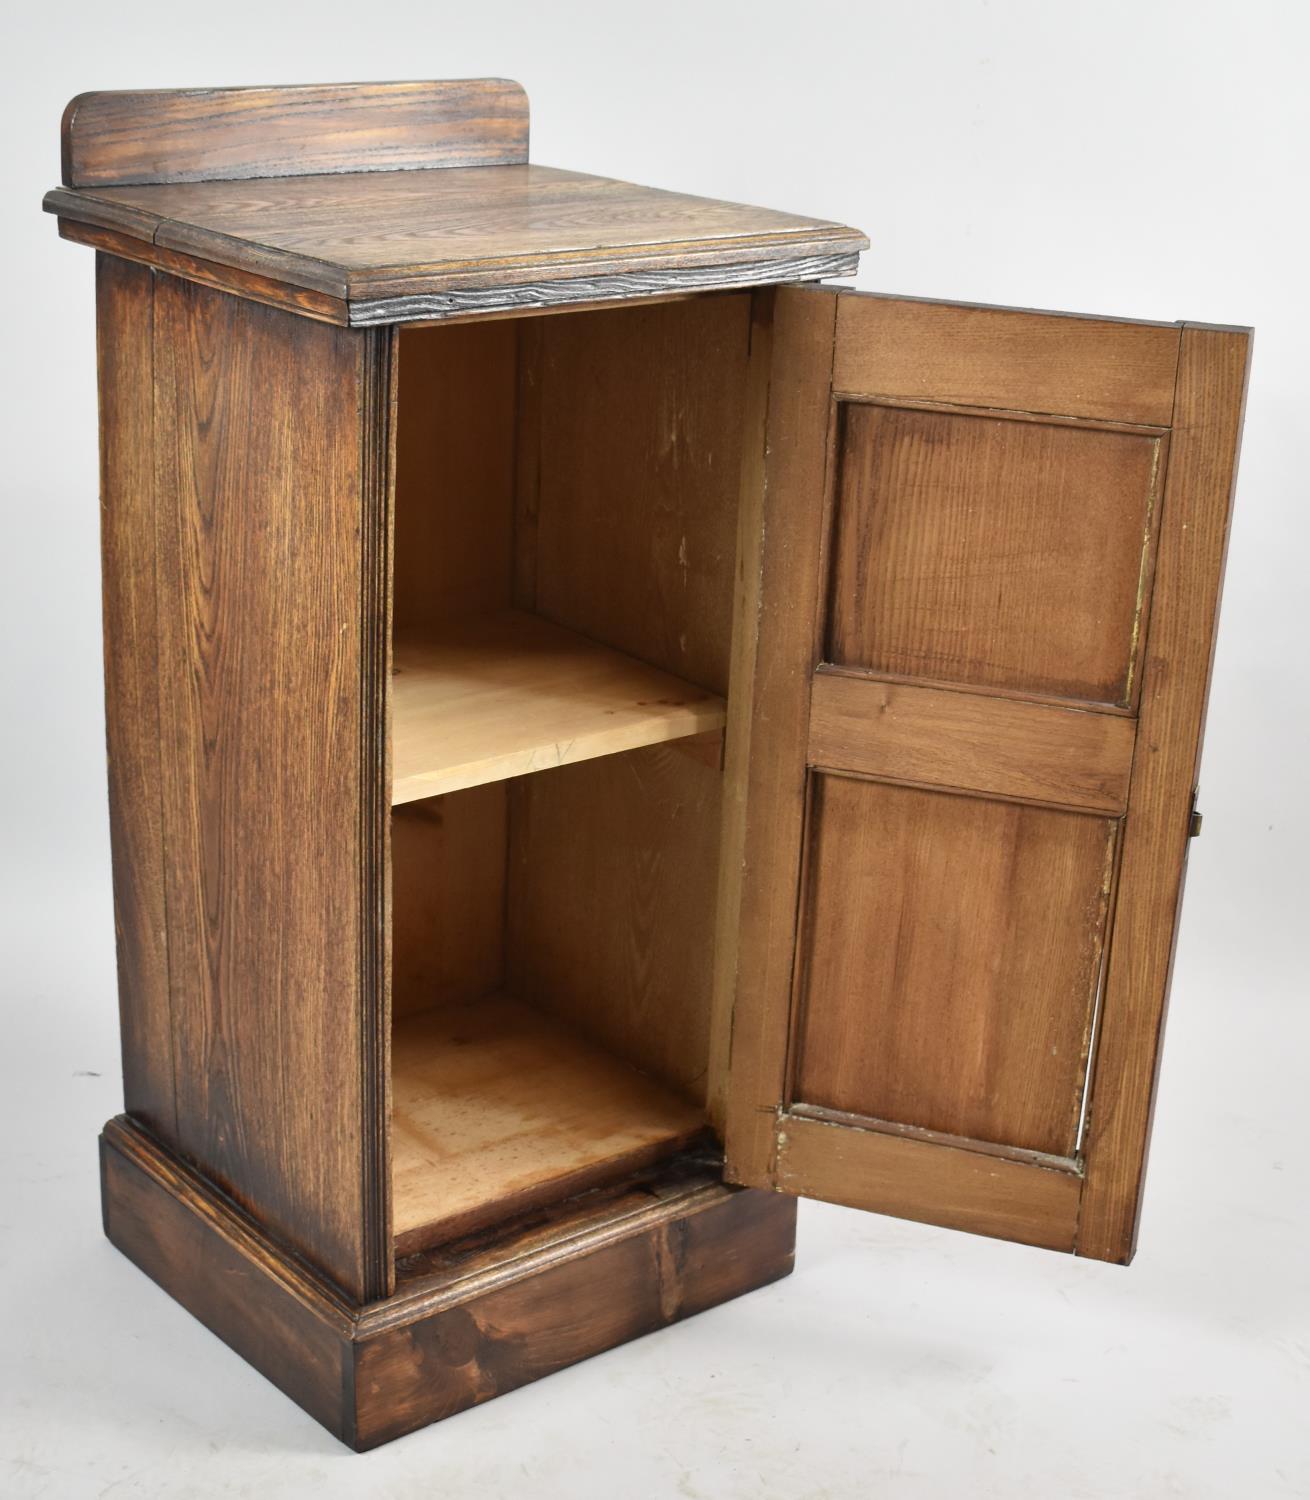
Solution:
(993, 544)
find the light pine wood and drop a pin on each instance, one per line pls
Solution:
(636, 486)
(183, 135)
(952, 951)
(983, 567)
(992, 553)
(497, 1109)
(613, 865)
(1038, 752)
(505, 695)
(406, 245)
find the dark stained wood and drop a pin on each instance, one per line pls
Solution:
(290, 1324)
(1036, 752)
(273, 605)
(1179, 650)
(930, 1181)
(1001, 572)
(124, 330)
(953, 353)
(992, 553)
(426, 244)
(184, 135)
(465, 1324)
(612, 878)
(947, 984)
(310, 304)
(639, 430)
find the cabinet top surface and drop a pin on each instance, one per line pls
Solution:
(396, 202)
(362, 233)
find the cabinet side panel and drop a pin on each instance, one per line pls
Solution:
(124, 318)
(272, 555)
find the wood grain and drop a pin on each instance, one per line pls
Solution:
(474, 1323)
(990, 552)
(925, 480)
(498, 1109)
(638, 441)
(125, 364)
(455, 446)
(504, 695)
(952, 953)
(1179, 650)
(183, 135)
(613, 867)
(1006, 357)
(930, 1182)
(272, 605)
(448, 898)
(380, 240)
(767, 852)
(1036, 752)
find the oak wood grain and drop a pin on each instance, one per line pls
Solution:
(270, 449)
(993, 553)
(951, 956)
(929, 1182)
(1086, 408)
(125, 367)
(785, 603)
(1100, 368)
(472, 1322)
(498, 1109)
(1037, 752)
(394, 244)
(184, 135)
(1198, 501)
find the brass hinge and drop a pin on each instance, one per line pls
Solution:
(1194, 819)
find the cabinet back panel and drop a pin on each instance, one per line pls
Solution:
(613, 872)
(632, 436)
(454, 471)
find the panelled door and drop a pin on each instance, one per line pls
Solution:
(992, 548)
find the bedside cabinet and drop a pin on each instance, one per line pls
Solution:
(607, 735)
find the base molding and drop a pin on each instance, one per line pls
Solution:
(464, 1325)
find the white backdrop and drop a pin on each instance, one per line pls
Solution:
(1147, 159)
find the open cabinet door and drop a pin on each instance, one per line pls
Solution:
(992, 548)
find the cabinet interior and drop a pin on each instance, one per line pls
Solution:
(566, 493)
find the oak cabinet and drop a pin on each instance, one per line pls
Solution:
(579, 782)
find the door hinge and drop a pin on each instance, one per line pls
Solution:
(1194, 818)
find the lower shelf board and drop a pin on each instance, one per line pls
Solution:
(496, 1109)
